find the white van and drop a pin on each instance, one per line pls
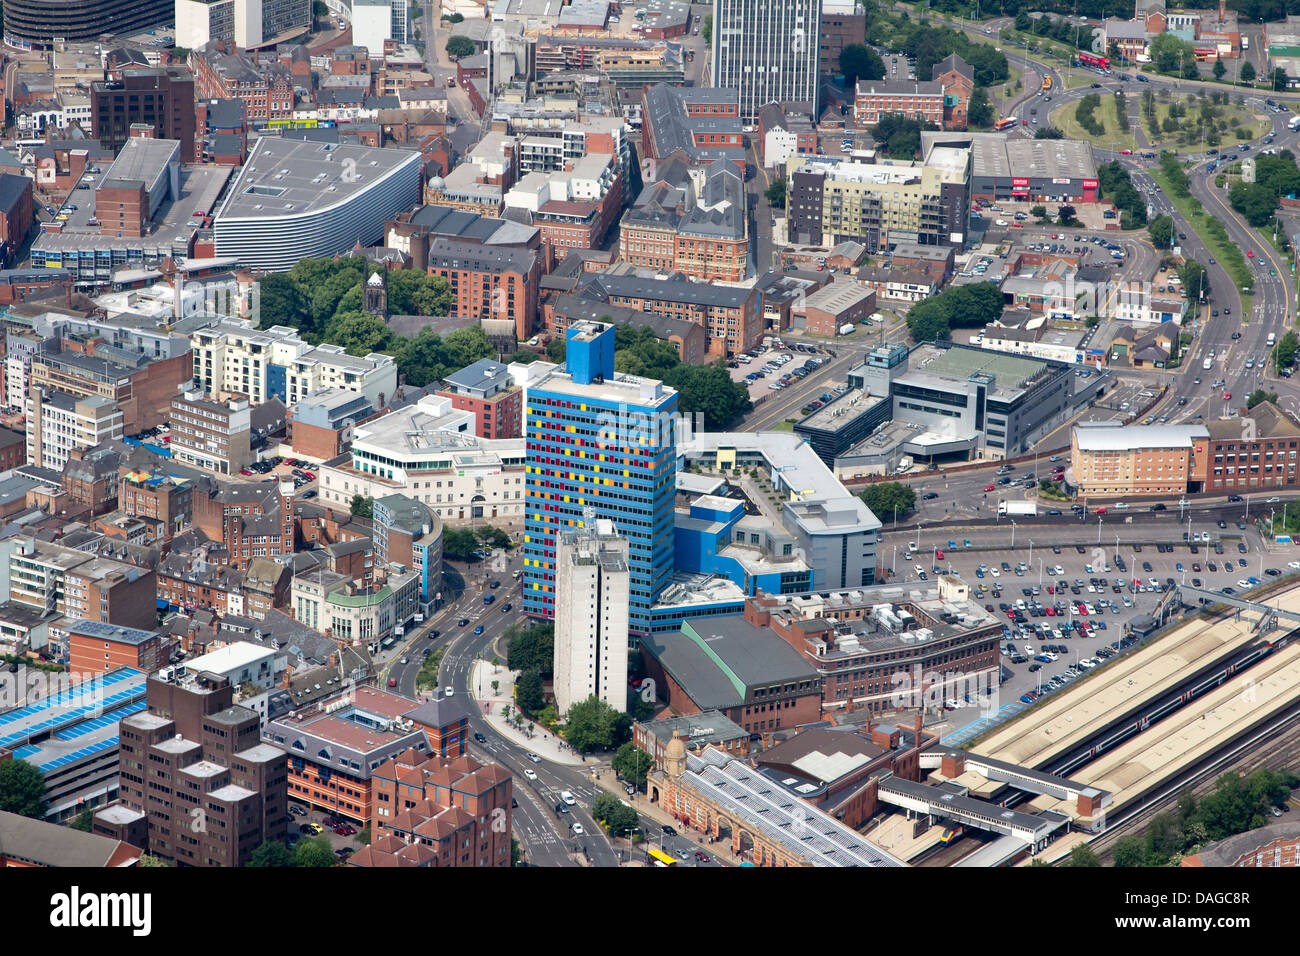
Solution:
(1272, 339)
(1208, 364)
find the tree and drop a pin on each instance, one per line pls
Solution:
(85, 820)
(270, 854)
(591, 725)
(459, 542)
(556, 349)
(979, 112)
(1084, 855)
(319, 9)
(616, 816)
(531, 647)
(1195, 278)
(22, 789)
(632, 764)
(1065, 214)
(1161, 230)
(316, 852)
(775, 194)
(1258, 396)
(1022, 20)
(1279, 81)
(1129, 852)
(1048, 132)
(1284, 352)
(459, 46)
(858, 62)
(279, 302)
(1218, 69)
(1247, 72)
(885, 497)
(362, 507)
(1039, 211)
(898, 136)
(528, 692)
(364, 836)
(706, 30)
(360, 333)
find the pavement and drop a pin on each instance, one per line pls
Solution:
(492, 705)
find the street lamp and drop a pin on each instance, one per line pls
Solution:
(1013, 534)
(1098, 529)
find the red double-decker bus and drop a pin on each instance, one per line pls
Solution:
(1091, 59)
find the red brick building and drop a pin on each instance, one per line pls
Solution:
(266, 87)
(489, 282)
(160, 97)
(455, 809)
(95, 647)
(15, 215)
(1245, 455)
(729, 664)
(485, 389)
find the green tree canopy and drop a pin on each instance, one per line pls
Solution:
(22, 789)
(528, 692)
(632, 764)
(1247, 72)
(459, 542)
(706, 30)
(882, 498)
(1048, 132)
(458, 46)
(775, 193)
(961, 307)
(362, 507)
(1284, 352)
(85, 820)
(270, 854)
(315, 852)
(1161, 230)
(531, 647)
(615, 815)
(1259, 396)
(858, 62)
(594, 725)
(1084, 855)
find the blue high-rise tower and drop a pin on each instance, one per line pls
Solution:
(600, 445)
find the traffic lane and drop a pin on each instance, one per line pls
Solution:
(454, 672)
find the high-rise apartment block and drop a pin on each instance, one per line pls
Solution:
(767, 50)
(591, 615)
(606, 442)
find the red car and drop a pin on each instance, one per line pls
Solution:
(244, 471)
(938, 555)
(1099, 511)
(309, 475)
(392, 682)
(1227, 396)
(1126, 152)
(990, 487)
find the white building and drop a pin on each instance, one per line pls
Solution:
(246, 23)
(232, 359)
(374, 21)
(248, 666)
(768, 50)
(591, 616)
(58, 423)
(428, 451)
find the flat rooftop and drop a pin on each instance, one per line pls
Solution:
(200, 186)
(291, 177)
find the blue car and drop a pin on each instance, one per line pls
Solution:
(1102, 625)
(1254, 580)
(479, 629)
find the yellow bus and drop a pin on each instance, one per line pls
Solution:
(661, 858)
(1047, 83)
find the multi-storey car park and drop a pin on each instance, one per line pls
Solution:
(1138, 730)
(36, 24)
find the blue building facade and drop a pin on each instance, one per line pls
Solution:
(598, 447)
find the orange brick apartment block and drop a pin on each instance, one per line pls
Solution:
(1109, 459)
(458, 808)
